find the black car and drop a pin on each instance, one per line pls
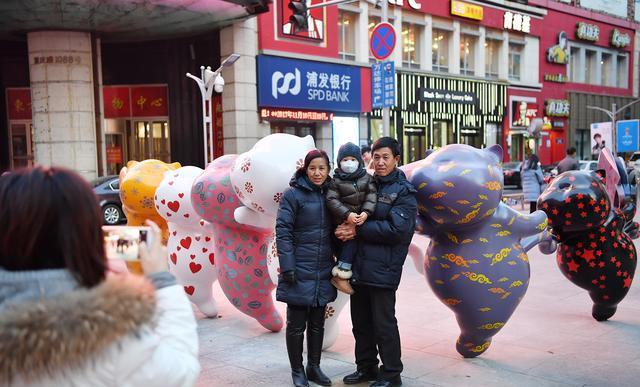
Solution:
(108, 191)
(511, 172)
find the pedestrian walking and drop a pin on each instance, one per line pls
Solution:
(351, 198)
(63, 320)
(383, 245)
(304, 242)
(532, 181)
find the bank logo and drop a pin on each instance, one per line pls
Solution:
(285, 87)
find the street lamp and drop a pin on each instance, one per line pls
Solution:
(210, 81)
(612, 115)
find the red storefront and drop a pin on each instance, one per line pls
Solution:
(578, 49)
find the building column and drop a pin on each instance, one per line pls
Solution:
(61, 73)
(242, 128)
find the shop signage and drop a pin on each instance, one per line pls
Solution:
(149, 101)
(560, 52)
(557, 107)
(382, 41)
(218, 130)
(522, 113)
(620, 39)
(114, 154)
(517, 22)
(558, 78)
(447, 96)
(302, 84)
(558, 124)
(116, 101)
(590, 32)
(414, 4)
(19, 103)
(57, 59)
(627, 136)
(383, 85)
(466, 10)
(294, 114)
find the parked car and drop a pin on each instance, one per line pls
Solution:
(107, 189)
(634, 160)
(511, 172)
(588, 165)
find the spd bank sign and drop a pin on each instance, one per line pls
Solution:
(294, 83)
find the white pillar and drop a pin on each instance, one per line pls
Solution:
(480, 53)
(503, 64)
(426, 47)
(242, 128)
(362, 36)
(454, 49)
(61, 73)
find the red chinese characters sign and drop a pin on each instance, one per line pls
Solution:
(116, 102)
(114, 154)
(149, 101)
(218, 132)
(135, 101)
(19, 104)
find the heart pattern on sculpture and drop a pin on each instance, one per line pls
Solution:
(186, 242)
(174, 258)
(195, 267)
(174, 205)
(189, 290)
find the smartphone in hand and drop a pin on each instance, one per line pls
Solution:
(123, 243)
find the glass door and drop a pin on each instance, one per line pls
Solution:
(21, 147)
(442, 134)
(149, 140)
(415, 144)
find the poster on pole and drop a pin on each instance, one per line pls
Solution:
(627, 135)
(601, 137)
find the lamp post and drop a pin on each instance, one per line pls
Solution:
(612, 115)
(207, 83)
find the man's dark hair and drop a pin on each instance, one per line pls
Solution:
(571, 151)
(386, 142)
(365, 148)
(597, 135)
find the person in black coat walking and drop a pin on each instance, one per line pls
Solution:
(304, 233)
(383, 245)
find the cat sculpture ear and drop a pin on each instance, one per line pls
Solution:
(496, 150)
(428, 152)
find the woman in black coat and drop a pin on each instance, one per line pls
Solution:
(303, 237)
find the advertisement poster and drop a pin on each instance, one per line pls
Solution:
(627, 136)
(601, 137)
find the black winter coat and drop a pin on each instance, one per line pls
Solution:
(385, 237)
(304, 242)
(345, 196)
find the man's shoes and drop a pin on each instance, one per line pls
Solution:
(397, 381)
(342, 285)
(361, 376)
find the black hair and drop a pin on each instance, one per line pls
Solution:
(365, 148)
(311, 155)
(571, 151)
(387, 142)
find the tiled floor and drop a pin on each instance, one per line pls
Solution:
(551, 340)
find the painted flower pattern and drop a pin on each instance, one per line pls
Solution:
(248, 187)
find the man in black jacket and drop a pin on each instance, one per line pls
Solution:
(384, 242)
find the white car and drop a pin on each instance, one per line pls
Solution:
(634, 160)
(588, 165)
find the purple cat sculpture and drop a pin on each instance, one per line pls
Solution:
(475, 262)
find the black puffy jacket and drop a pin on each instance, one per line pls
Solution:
(348, 195)
(304, 240)
(384, 238)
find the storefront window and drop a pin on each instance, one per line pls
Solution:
(622, 71)
(440, 50)
(442, 134)
(491, 50)
(515, 57)
(590, 67)
(347, 34)
(411, 45)
(467, 52)
(300, 129)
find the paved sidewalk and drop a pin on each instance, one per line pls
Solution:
(551, 340)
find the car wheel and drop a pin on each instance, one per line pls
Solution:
(111, 214)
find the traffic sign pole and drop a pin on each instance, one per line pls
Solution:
(385, 110)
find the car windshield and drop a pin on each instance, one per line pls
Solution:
(100, 180)
(635, 157)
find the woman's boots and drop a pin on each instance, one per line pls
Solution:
(315, 335)
(297, 319)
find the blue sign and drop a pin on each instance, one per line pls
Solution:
(627, 136)
(383, 85)
(294, 83)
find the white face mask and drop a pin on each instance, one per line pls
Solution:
(349, 166)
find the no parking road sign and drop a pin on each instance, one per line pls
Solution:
(383, 41)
